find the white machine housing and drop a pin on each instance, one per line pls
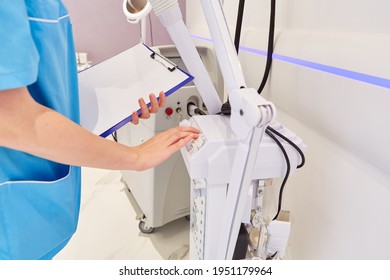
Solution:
(208, 160)
(162, 194)
(224, 161)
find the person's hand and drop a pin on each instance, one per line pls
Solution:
(145, 110)
(160, 147)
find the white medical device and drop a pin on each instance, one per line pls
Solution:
(231, 153)
(162, 194)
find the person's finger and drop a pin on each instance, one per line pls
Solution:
(188, 129)
(162, 99)
(181, 142)
(145, 114)
(135, 118)
(182, 134)
(154, 103)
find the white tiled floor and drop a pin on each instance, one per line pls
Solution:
(108, 228)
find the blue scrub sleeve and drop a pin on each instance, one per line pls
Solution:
(18, 53)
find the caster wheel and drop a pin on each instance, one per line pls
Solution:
(144, 229)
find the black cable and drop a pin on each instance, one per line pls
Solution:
(225, 109)
(271, 36)
(292, 144)
(199, 112)
(239, 24)
(192, 109)
(268, 131)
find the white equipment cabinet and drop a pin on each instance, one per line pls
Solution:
(162, 194)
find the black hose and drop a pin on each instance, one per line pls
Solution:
(240, 16)
(271, 36)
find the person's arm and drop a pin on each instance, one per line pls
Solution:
(30, 127)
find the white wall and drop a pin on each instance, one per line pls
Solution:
(339, 201)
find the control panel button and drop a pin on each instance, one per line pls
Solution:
(169, 111)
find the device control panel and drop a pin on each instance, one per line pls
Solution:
(194, 145)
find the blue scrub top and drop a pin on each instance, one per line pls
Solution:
(39, 199)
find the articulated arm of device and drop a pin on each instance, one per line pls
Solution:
(240, 182)
(244, 102)
(250, 114)
(170, 16)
